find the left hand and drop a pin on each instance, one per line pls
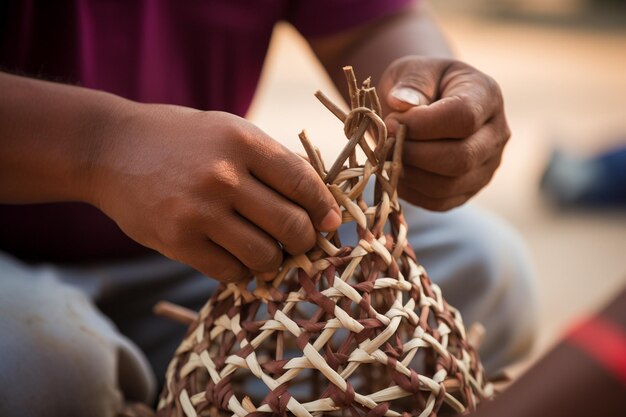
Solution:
(456, 128)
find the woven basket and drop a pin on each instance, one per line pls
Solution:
(342, 330)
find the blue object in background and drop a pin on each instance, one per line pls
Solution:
(598, 181)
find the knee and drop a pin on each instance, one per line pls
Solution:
(501, 278)
(508, 301)
(498, 265)
(471, 254)
(54, 363)
(48, 378)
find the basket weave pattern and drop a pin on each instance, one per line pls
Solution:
(344, 330)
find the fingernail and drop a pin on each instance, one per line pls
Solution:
(408, 95)
(331, 221)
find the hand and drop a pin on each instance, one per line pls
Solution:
(211, 190)
(456, 128)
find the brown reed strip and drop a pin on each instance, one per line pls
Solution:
(343, 330)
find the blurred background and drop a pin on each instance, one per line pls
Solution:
(562, 68)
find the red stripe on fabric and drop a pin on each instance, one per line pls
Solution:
(603, 341)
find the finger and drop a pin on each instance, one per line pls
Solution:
(296, 180)
(429, 203)
(265, 276)
(285, 221)
(441, 186)
(455, 157)
(249, 244)
(213, 261)
(457, 116)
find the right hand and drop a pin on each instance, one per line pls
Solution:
(209, 189)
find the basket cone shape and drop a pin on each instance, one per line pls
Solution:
(343, 330)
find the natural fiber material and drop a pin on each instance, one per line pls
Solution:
(344, 330)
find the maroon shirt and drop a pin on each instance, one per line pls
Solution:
(205, 54)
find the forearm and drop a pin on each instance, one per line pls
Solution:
(50, 134)
(371, 48)
(570, 380)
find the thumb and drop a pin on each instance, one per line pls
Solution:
(403, 96)
(411, 81)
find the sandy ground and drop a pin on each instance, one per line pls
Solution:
(563, 86)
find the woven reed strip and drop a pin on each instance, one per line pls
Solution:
(337, 313)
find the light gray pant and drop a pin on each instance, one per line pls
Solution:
(79, 341)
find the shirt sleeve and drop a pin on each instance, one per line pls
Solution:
(314, 18)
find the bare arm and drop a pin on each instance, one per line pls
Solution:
(372, 47)
(205, 188)
(571, 380)
(50, 134)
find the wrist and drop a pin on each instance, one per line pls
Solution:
(103, 133)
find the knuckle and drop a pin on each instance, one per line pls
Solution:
(506, 133)
(492, 86)
(465, 159)
(474, 117)
(178, 232)
(494, 92)
(224, 177)
(300, 184)
(265, 258)
(496, 165)
(471, 153)
(484, 180)
(298, 232)
(294, 225)
(470, 115)
(478, 112)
